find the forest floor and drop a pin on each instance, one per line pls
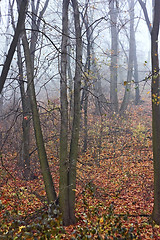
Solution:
(114, 195)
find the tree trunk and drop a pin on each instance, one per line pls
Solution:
(86, 80)
(50, 190)
(137, 95)
(126, 98)
(1, 105)
(36, 21)
(64, 165)
(156, 111)
(18, 30)
(143, 6)
(101, 103)
(76, 119)
(24, 155)
(114, 56)
(70, 78)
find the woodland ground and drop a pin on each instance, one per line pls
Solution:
(114, 182)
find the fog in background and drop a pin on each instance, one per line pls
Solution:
(47, 62)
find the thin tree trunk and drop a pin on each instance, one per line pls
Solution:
(64, 165)
(87, 69)
(114, 56)
(50, 190)
(1, 105)
(137, 95)
(70, 78)
(156, 111)
(126, 98)
(13, 45)
(25, 98)
(101, 102)
(24, 155)
(67, 181)
(76, 120)
(36, 21)
(143, 6)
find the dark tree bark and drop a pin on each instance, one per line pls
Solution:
(87, 69)
(36, 20)
(76, 118)
(156, 111)
(49, 186)
(48, 182)
(18, 30)
(24, 154)
(1, 104)
(68, 165)
(64, 164)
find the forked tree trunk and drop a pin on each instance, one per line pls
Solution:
(156, 111)
(143, 6)
(49, 187)
(67, 183)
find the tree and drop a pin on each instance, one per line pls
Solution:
(155, 90)
(156, 110)
(50, 191)
(36, 20)
(64, 164)
(130, 59)
(29, 60)
(137, 95)
(87, 70)
(68, 159)
(76, 117)
(24, 155)
(143, 6)
(11, 51)
(24, 160)
(114, 55)
(49, 186)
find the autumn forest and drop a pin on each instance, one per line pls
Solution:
(79, 119)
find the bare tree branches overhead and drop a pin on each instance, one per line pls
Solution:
(13, 45)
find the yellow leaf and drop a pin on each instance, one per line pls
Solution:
(125, 83)
(75, 190)
(156, 226)
(101, 220)
(20, 228)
